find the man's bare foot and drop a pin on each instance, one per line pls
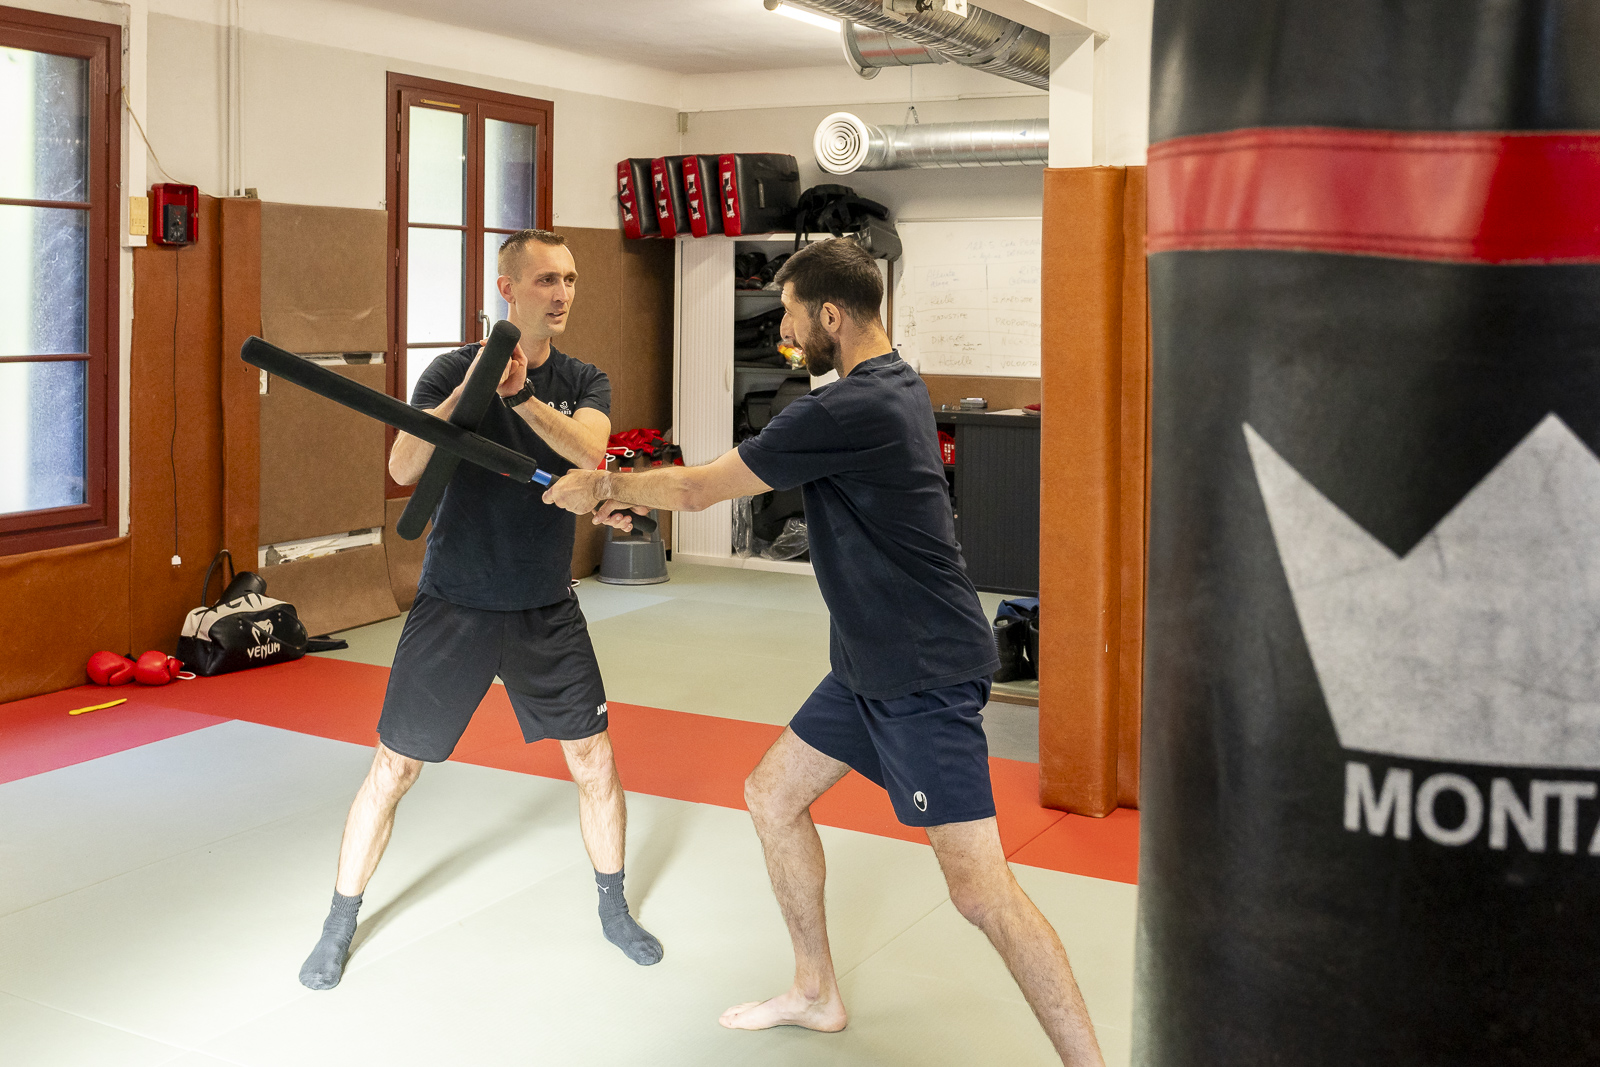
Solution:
(789, 1009)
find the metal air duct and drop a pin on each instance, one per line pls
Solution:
(844, 144)
(982, 40)
(869, 50)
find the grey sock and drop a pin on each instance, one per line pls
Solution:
(620, 928)
(325, 966)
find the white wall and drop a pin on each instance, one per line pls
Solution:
(1122, 80)
(315, 115)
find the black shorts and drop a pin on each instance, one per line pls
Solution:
(927, 749)
(448, 657)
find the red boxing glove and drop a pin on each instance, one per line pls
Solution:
(155, 668)
(108, 668)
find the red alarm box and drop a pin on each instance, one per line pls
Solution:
(174, 214)
(947, 448)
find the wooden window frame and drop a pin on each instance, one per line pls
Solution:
(405, 91)
(97, 518)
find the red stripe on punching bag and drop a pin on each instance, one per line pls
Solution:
(1455, 197)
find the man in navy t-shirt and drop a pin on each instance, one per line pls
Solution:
(495, 599)
(911, 651)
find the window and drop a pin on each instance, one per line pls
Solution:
(60, 214)
(468, 167)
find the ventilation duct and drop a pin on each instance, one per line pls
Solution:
(982, 40)
(844, 144)
(871, 50)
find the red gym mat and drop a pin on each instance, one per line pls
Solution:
(699, 758)
(37, 734)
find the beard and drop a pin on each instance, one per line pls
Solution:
(821, 351)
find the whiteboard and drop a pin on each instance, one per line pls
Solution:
(966, 296)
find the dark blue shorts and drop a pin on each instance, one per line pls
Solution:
(927, 749)
(449, 655)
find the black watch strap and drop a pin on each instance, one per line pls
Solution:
(520, 396)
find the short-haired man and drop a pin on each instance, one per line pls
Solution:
(495, 598)
(912, 653)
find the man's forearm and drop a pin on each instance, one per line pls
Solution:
(410, 455)
(669, 488)
(574, 442)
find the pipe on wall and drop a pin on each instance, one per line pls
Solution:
(982, 40)
(845, 144)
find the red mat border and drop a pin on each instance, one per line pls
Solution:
(699, 758)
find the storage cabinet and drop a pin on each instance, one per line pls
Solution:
(995, 493)
(710, 382)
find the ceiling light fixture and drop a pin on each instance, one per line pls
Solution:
(810, 18)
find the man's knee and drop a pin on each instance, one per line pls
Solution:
(768, 799)
(977, 904)
(590, 762)
(393, 774)
(981, 897)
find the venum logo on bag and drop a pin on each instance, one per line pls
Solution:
(1478, 648)
(261, 630)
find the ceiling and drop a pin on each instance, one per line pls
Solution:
(686, 36)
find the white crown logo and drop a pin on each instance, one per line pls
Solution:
(1482, 644)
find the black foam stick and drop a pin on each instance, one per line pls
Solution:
(440, 433)
(386, 409)
(476, 397)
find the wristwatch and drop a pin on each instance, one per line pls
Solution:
(516, 399)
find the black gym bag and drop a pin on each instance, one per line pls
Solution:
(244, 628)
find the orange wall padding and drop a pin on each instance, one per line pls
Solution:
(125, 595)
(60, 605)
(1094, 488)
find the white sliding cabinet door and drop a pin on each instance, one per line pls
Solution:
(703, 421)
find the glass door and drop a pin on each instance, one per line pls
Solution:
(471, 167)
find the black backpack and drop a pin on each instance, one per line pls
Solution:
(836, 209)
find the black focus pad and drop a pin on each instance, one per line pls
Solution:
(440, 433)
(476, 397)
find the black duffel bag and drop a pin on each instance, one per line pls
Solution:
(244, 628)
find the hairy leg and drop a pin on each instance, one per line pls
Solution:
(603, 820)
(779, 794)
(984, 890)
(366, 833)
(602, 810)
(371, 819)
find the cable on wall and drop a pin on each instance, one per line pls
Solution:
(172, 444)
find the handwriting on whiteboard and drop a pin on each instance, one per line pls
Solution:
(967, 297)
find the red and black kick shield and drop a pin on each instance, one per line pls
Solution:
(634, 199)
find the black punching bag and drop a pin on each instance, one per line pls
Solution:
(1371, 768)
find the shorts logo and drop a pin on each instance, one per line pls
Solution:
(601, 710)
(920, 799)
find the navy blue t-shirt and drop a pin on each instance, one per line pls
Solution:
(494, 543)
(904, 615)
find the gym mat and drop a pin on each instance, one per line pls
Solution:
(699, 758)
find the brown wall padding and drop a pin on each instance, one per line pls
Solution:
(191, 461)
(404, 557)
(60, 605)
(1093, 489)
(622, 323)
(241, 383)
(1001, 393)
(322, 464)
(349, 588)
(324, 278)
